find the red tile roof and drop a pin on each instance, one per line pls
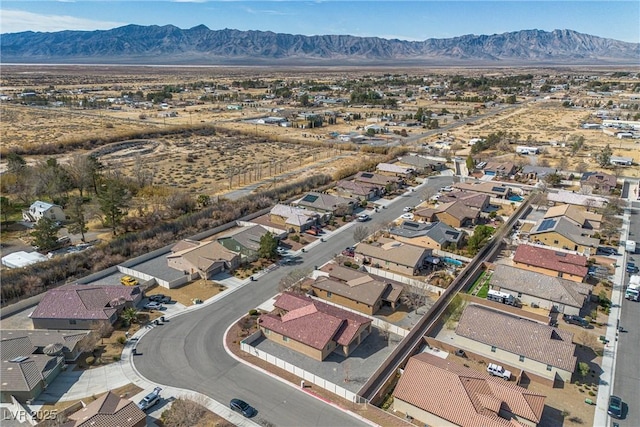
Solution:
(464, 396)
(83, 302)
(312, 322)
(553, 260)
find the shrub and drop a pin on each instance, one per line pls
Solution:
(253, 312)
(591, 393)
(347, 263)
(121, 340)
(116, 358)
(90, 360)
(295, 238)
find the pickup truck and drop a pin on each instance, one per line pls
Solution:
(498, 371)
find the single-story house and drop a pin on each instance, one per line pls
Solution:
(395, 170)
(455, 214)
(358, 190)
(43, 210)
(579, 216)
(551, 262)
(246, 241)
(108, 410)
(327, 204)
(440, 392)
(473, 200)
(70, 340)
(392, 255)
(293, 218)
(498, 191)
(204, 258)
(537, 173)
(421, 164)
(547, 292)
(385, 182)
(433, 235)
(83, 306)
(600, 181)
(25, 370)
(564, 197)
(355, 289)
(562, 233)
(312, 327)
(533, 347)
(499, 169)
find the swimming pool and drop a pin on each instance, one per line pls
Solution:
(516, 198)
(452, 261)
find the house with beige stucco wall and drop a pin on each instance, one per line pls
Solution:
(392, 255)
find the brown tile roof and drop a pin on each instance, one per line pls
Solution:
(43, 337)
(553, 260)
(471, 199)
(358, 281)
(482, 187)
(312, 322)
(393, 251)
(375, 178)
(523, 337)
(83, 302)
(206, 255)
(24, 375)
(464, 396)
(109, 410)
(358, 188)
(576, 214)
(457, 209)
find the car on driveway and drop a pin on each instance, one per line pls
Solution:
(605, 250)
(407, 215)
(150, 399)
(447, 189)
(577, 320)
(153, 306)
(242, 407)
(615, 407)
(129, 281)
(157, 297)
(281, 250)
(350, 251)
(363, 218)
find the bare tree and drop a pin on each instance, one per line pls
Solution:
(184, 413)
(360, 233)
(292, 282)
(582, 167)
(427, 193)
(413, 296)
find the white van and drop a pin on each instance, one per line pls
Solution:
(501, 297)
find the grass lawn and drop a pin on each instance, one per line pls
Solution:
(484, 290)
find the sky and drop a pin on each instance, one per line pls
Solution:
(389, 19)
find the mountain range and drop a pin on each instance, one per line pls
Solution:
(170, 45)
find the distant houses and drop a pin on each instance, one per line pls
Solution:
(39, 210)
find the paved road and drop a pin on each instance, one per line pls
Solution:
(627, 371)
(188, 351)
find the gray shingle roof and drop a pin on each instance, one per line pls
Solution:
(249, 237)
(565, 228)
(437, 231)
(549, 288)
(516, 335)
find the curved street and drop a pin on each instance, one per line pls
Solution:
(188, 351)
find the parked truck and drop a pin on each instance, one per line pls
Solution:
(633, 290)
(630, 246)
(498, 371)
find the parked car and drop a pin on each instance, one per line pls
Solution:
(242, 407)
(156, 297)
(498, 371)
(281, 250)
(408, 209)
(447, 189)
(363, 218)
(350, 251)
(407, 215)
(577, 320)
(632, 268)
(153, 306)
(150, 399)
(128, 281)
(604, 250)
(615, 407)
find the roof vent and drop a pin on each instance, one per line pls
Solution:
(19, 359)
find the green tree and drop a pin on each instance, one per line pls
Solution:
(77, 221)
(304, 100)
(129, 315)
(480, 237)
(583, 369)
(470, 163)
(553, 179)
(204, 200)
(15, 162)
(604, 157)
(6, 207)
(113, 198)
(268, 246)
(45, 234)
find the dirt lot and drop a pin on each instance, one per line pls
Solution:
(202, 289)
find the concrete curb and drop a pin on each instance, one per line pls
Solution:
(282, 380)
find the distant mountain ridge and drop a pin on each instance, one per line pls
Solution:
(167, 45)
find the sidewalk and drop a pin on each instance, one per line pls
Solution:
(607, 377)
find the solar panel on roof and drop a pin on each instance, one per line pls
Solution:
(367, 175)
(499, 189)
(411, 224)
(310, 198)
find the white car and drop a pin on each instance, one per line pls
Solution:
(408, 209)
(153, 306)
(447, 189)
(363, 218)
(150, 399)
(407, 216)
